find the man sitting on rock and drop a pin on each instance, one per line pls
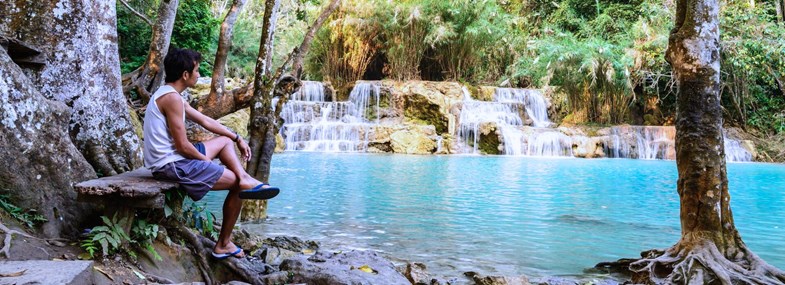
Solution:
(170, 156)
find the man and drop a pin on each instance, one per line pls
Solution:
(170, 156)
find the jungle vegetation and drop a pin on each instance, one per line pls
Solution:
(603, 59)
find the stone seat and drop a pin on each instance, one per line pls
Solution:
(122, 194)
(134, 189)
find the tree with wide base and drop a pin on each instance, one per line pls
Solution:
(710, 250)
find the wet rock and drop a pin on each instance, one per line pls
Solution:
(354, 267)
(496, 280)
(291, 243)
(417, 274)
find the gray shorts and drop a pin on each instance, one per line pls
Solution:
(196, 177)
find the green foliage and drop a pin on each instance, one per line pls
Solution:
(111, 237)
(194, 28)
(753, 65)
(143, 234)
(27, 216)
(196, 215)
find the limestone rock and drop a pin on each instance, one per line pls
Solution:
(353, 267)
(412, 141)
(429, 102)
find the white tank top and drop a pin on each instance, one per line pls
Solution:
(158, 143)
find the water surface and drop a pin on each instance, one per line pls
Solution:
(504, 215)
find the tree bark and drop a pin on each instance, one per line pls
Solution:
(224, 44)
(62, 120)
(265, 122)
(147, 78)
(780, 10)
(710, 249)
(297, 63)
(78, 41)
(261, 123)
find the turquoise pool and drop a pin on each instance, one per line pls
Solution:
(501, 214)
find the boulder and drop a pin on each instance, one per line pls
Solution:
(353, 267)
(496, 280)
(416, 273)
(427, 103)
(414, 140)
(588, 147)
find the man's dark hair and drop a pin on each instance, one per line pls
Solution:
(179, 60)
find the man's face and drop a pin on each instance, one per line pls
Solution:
(192, 76)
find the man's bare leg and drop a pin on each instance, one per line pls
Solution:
(223, 148)
(231, 211)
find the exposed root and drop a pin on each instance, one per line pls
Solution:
(705, 264)
(198, 250)
(246, 269)
(7, 242)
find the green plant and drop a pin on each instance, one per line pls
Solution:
(143, 234)
(196, 215)
(29, 217)
(109, 236)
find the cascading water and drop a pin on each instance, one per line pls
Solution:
(658, 142)
(641, 142)
(532, 100)
(735, 152)
(506, 113)
(314, 124)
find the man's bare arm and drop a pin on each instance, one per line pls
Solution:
(171, 105)
(216, 127)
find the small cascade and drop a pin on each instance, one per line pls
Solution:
(734, 152)
(641, 142)
(549, 143)
(506, 113)
(658, 142)
(532, 100)
(314, 124)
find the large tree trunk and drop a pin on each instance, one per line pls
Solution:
(70, 103)
(78, 40)
(710, 250)
(261, 125)
(147, 78)
(265, 122)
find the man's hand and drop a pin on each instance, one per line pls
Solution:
(245, 150)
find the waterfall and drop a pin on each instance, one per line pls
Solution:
(532, 100)
(641, 142)
(734, 152)
(507, 113)
(313, 124)
(658, 142)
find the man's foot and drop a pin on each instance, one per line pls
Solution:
(226, 251)
(248, 182)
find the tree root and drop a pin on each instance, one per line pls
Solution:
(7, 242)
(198, 250)
(245, 268)
(704, 264)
